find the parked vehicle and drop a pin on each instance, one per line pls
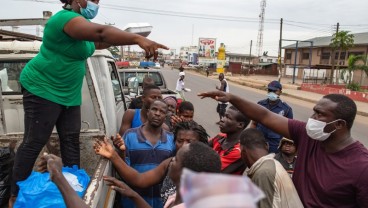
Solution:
(147, 64)
(157, 65)
(102, 108)
(122, 64)
(131, 80)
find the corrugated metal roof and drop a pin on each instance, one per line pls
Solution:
(359, 39)
(239, 55)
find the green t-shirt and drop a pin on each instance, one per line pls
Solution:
(57, 72)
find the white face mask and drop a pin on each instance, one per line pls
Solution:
(315, 129)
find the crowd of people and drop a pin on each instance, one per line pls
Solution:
(315, 164)
(292, 163)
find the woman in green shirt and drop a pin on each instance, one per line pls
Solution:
(52, 82)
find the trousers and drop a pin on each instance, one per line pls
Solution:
(40, 117)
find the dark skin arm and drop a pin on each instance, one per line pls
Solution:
(275, 122)
(53, 165)
(125, 190)
(81, 29)
(126, 122)
(129, 174)
(101, 45)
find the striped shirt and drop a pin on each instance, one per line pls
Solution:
(143, 156)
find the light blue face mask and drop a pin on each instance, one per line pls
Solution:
(272, 96)
(90, 11)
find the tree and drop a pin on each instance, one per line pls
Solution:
(355, 63)
(114, 51)
(340, 41)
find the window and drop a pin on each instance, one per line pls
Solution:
(305, 55)
(288, 56)
(140, 75)
(115, 82)
(342, 55)
(269, 60)
(9, 75)
(325, 55)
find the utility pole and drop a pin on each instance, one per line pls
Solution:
(295, 59)
(260, 28)
(192, 33)
(250, 55)
(280, 45)
(333, 57)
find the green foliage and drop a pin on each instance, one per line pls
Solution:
(114, 51)
(342, 40)
(355, 63)
(353, 86)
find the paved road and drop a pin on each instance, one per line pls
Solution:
(205, 110)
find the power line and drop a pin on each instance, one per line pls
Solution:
(172, 13)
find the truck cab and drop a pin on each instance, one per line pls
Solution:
(132, 79)
(102, 108)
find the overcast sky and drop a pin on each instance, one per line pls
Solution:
(232, 22)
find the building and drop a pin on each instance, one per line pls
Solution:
(239, 63)
(313, 62)
(268, 59)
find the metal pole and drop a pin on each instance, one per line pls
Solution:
(250, 55)
(2, 113)
(296, 55)
(192, 32)
(310, 58)
(280, 45)
(310, 54)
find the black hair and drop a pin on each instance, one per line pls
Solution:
(192, 126)
(253, 139)
(201, 158)
(159, 100)
(147, 81)
(64, 1)
(147, 88)
(346, 108)
(186, 105)
(240, 117)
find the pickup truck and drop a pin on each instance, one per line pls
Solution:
(131, 80)
(102, 109)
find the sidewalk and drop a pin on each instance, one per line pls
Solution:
(289, 89)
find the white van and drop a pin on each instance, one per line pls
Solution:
(102, 109)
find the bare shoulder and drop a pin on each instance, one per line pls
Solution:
(129, 114)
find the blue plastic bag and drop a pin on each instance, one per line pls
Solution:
(39, 191)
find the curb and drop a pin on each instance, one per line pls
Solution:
(262, 87)
(361, 113)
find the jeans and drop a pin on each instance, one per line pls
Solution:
(40, 117)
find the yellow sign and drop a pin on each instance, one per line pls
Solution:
(221, 59)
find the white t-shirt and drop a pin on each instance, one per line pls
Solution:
(227, 86)
(179, 85)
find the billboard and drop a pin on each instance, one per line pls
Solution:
(207, 48)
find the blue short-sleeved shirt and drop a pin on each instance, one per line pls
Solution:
(143, 156)
(281, 108)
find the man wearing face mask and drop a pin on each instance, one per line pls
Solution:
(52, 81)
(276, 105)
(332, 167)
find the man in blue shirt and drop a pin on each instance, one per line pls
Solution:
(146, 147)
(274, 104)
